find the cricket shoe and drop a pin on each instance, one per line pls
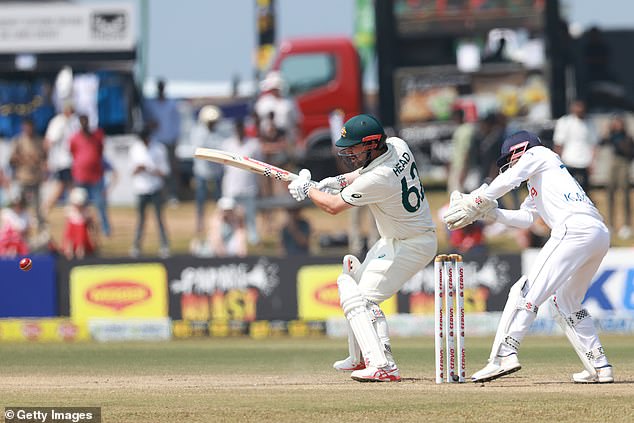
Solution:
(604, 375)
(348, 365)
(498, 367)
(388, 373)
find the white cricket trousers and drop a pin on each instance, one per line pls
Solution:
(565, 267)
(392, 262)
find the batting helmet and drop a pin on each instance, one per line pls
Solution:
(363, 130)
(515, 146)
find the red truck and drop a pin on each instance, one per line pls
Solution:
(322, 74)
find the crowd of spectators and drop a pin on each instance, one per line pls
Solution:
(269, 135)
(70, 159)
(71, 156)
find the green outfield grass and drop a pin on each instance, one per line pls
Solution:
(290, 380)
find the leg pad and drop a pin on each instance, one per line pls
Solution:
(354, 308)
(568, 324)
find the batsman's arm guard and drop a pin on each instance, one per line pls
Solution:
(568, 324)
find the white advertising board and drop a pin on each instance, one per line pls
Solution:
(612, 288)
(107, 330)
(66, 27)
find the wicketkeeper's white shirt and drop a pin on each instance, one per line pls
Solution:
(555, 194)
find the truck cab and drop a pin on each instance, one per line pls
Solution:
(322, 74)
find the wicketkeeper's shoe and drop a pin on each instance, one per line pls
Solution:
(348, 365)
(388, 373)
(498, 367)
(604, 375)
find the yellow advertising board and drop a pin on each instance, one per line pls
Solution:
(42, 330)
(317, 294)
(137, 290)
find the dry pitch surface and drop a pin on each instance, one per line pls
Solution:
(290, 380)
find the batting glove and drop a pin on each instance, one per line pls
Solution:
(299, 187)
(333, 185)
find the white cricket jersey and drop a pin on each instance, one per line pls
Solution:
(554, 193)
(392, 189)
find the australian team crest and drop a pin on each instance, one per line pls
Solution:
(343, 132)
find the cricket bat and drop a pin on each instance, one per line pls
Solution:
(244, 162)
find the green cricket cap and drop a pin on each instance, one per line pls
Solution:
(358, 129)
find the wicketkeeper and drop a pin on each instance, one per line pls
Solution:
(564, 267)
(385, 178)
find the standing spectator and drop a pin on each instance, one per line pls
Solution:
(279, 124)
(14, 226)
(460, 145)
(86, 146)
(150, 166)
(286, 115)
(163, 116)
(79, 239)
(227, 232)
(575, 140)
(296, 233)
(622, 146)
(28, 160)
(205, 135)
(239, 184)
(57, 144)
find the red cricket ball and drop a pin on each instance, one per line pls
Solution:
(26, 264)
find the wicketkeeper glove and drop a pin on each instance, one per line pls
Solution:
(299, 187)
(464, 209)
(333, 184)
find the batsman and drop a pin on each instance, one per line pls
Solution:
(384, 177)
(564, 267)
